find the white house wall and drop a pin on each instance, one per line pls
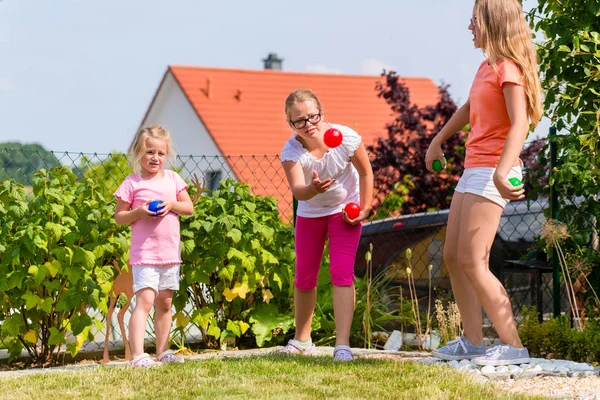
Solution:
(194, 145)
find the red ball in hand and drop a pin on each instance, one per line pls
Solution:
(332, 138)
(352, 210)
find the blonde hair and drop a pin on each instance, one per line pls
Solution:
(137, 148)
(300, 96)
(505, 35)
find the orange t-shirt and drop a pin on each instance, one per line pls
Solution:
(489, 118)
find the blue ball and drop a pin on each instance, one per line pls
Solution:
(153, 206)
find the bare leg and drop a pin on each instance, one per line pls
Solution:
(479, 223)
(343, 309)
(304, 304)
(162, 319)
(464, 293)
(144, 299)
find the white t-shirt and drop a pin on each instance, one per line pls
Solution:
(334, 164)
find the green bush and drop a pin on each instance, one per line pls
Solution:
(556, 338)
(238, 261)
(57, 249)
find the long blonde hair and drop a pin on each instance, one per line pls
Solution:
(504, 34)
(137, 148)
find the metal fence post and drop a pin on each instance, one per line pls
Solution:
(556, 298)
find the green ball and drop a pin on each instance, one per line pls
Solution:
(515, 181)
(437, 165)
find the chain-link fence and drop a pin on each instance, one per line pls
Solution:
(403, 218)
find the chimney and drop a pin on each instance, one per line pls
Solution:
(273, 62)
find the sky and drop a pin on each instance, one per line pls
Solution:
(79, 75)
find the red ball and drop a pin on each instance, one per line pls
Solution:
(352, 210)
(332, 138)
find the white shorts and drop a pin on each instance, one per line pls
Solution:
(155, 277)
(479, 181)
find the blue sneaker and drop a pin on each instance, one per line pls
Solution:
(459, 349)
(504, 354)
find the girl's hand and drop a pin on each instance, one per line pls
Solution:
(364, 214)
(165, 207)
(434, 152)
(318, 185)
(142, 211)
(506, 189)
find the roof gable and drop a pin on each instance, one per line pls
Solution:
(243, 110)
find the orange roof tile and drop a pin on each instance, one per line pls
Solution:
(243, 110)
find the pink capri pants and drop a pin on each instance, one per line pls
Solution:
(310, 243)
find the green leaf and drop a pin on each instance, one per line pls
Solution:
(56, 337)
(214, 330)
(202, 317)
(53, 267)
(79, 323)
(564, 48)
(85, 257)
(46, 305)
(265, 318)
(104, 274)
(187, 246)
(226, 272)
(235, 235)
(13, 325)
(250, 206)
(31, 300)
(54, 229)
(57, 209)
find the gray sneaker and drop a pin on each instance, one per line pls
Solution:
(504, 354)
(459, 349)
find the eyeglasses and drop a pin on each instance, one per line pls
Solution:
(473, 22)
(301, 123)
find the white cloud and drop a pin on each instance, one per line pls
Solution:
(371, 66)
(322, 69)
(6, 85)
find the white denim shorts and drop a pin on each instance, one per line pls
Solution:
(156, 277)
(479, 181)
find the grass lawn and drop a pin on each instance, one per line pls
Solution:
(267, 377)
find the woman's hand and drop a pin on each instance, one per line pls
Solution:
(506, 189)
(318, 185)
(434, 152)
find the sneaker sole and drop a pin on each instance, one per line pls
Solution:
(450, 357)
(498, 363)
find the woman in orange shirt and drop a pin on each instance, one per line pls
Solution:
(505, 96)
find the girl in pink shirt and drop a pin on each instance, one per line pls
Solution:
(155, 254)
(504, 97)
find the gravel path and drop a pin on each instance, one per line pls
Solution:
(554, 387)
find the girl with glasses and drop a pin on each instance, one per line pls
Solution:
(324, 180)
(504, 98)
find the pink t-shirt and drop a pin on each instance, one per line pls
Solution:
(489, 118)
(153, 241)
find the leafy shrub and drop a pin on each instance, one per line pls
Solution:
(238, 261)
(57, 249)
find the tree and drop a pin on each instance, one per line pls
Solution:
(20, 161)
(570, 71)
(401, 181)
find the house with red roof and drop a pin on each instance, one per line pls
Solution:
(231, 122)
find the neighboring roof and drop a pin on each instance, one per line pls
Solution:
(243, 110)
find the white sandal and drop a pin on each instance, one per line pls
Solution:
(169, 357)
(143, 361)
